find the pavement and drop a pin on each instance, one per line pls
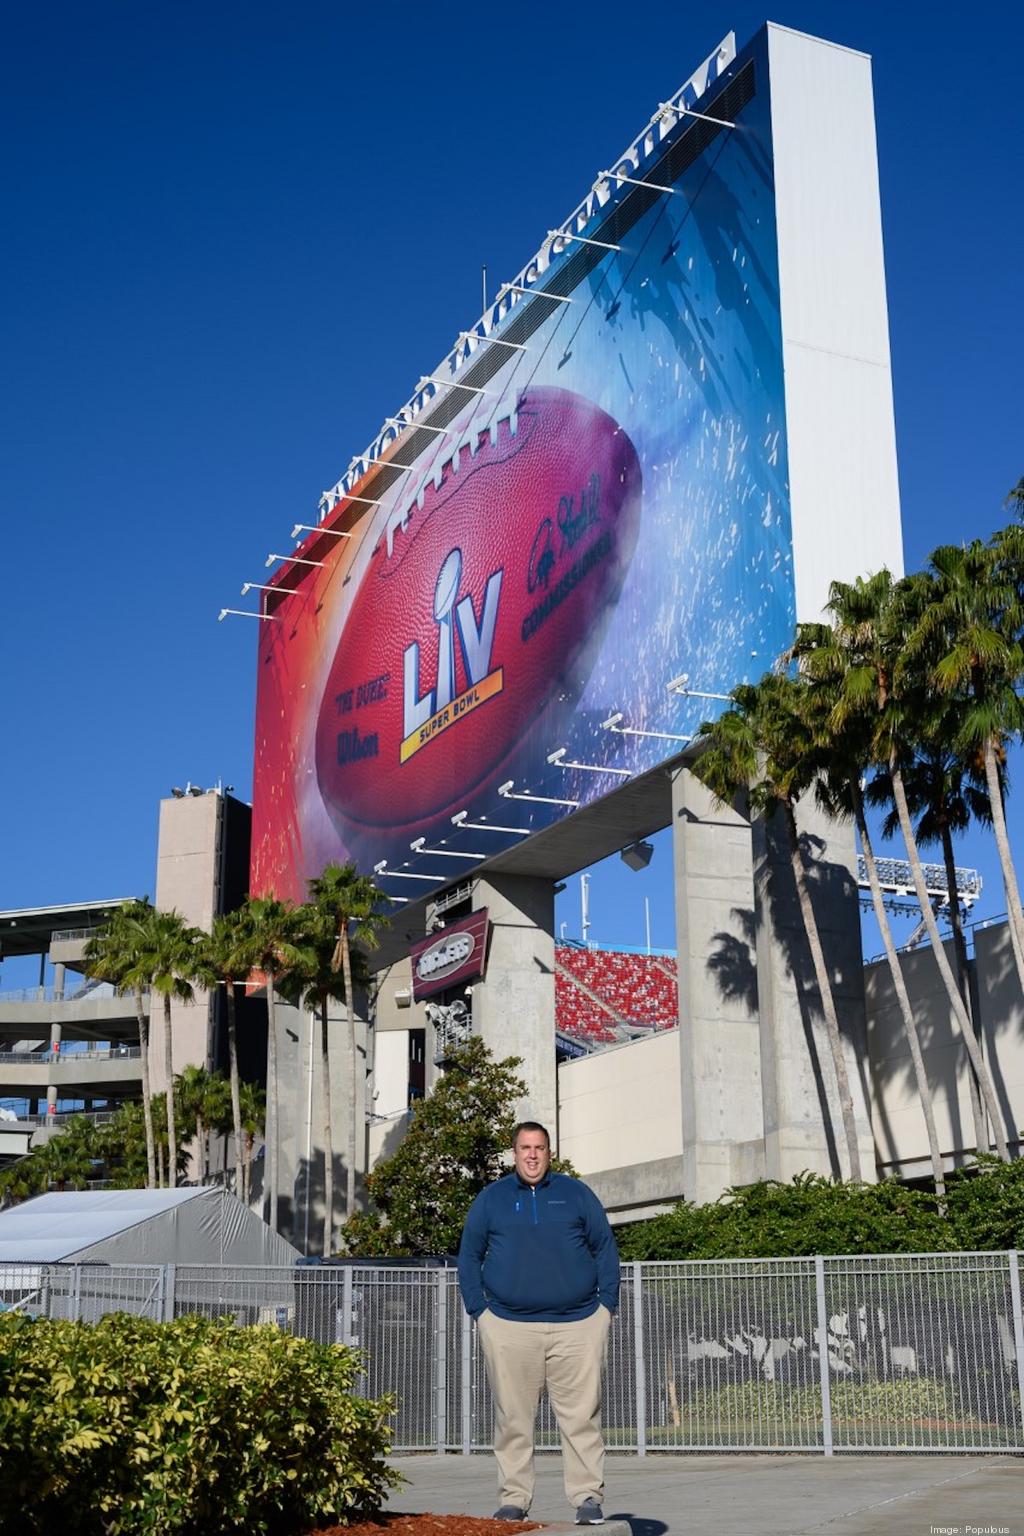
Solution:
(738, 1495)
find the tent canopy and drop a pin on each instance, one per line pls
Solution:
(139, 1226)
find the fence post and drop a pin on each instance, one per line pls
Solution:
(639, 1362)
(440, 1360)
(348, 1333)
(167, 1293)
(75, 1296)
(467, 1382)
(1018, 1324)
(826, 1386)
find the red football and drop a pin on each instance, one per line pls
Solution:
(478, 619)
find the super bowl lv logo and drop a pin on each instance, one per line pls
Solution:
(425, 715)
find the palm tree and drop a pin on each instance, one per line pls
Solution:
(764, 747)
(353, 905)
(968, 636)
(840, 789)
(272, 946)
(172, 960)
(204, 1104)
(252, 1104)
(115, 955)
(869, 619)
(313, 986)
(229, 954)
(945, 798)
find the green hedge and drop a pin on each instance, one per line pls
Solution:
(196, 1426)
(984, 1211)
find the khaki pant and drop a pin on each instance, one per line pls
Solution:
(523, 1358)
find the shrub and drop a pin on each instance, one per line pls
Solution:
(809, 1216)
(196, 1426)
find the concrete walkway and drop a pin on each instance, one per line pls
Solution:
(753, 1495)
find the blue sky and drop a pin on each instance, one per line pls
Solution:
(237, 235)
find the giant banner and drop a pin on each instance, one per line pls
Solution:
(587, 499)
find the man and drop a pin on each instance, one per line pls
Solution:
(539, 1271)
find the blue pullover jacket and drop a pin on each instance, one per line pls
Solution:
(538, 1254)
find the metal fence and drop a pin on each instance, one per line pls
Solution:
(882, 1353)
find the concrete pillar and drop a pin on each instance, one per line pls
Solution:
(802, 1123)
(58, 980)
(719, 1049)
(514, 1006)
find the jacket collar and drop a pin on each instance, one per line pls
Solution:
(522, 1184)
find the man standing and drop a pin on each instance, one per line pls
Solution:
(539, 1270)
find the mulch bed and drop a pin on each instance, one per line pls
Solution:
(428, 1525)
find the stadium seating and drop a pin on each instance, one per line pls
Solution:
(639, 991)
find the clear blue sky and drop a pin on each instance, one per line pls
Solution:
(236, 234)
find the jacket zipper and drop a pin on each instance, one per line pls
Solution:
(533, 1207)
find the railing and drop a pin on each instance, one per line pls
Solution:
(882, 1353)
(49, 1057)
(103, 991)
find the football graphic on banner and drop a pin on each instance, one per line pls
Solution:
(479, 617)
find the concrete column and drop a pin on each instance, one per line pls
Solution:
(514, 1006)
(719, 1050)
(58, 980)
(802, 1123)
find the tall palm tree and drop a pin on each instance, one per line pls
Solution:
(764, 747)
(272, 946)
(229, 954)
(967, 633)
(116, 955)
(840, 789)
(253, 1107)
(203, 1103)
(172, 959)
(354, 906)
(313, 985)
(869, 622)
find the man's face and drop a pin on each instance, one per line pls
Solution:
(533, 1156)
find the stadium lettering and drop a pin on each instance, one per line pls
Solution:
(445, 955)
(573, 524)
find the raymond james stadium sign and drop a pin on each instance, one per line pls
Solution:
(457, 954)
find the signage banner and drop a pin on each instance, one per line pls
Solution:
(588, 534)
(451, 956)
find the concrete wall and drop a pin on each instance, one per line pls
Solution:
(1001, 1016)
(841, 440)
(187, 881)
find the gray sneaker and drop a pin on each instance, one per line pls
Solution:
(590, 1513)
(509, 1512)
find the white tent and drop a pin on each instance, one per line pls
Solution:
(139, 1226)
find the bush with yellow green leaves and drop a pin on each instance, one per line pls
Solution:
(127, 1426)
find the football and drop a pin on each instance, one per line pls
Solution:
(478, 618)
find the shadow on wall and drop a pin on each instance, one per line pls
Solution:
(732, 963)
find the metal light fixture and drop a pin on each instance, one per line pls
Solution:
(532, 293)
(335, 533)
(561, 234)
(507, 793)
(612, 724)
(460, 819)
(558, 759)
(419, 846)
(398, 874)
(246, 613)
(681, 686)
(294, 560)
(636, 856)
(494, 341)
(633, 182)
(681, 111)
(429, 378)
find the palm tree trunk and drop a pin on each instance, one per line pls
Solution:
(236, 1103)
(247, 1169)
(160, 1164)
(172, 1134)
(147, 1091)
(201, 1149)
(270, 1129)
(828, 1005)
(353, 1140)
(963, 976)
(902, 996)
(978, 1062)
(1013, 907)
(325, 1099)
